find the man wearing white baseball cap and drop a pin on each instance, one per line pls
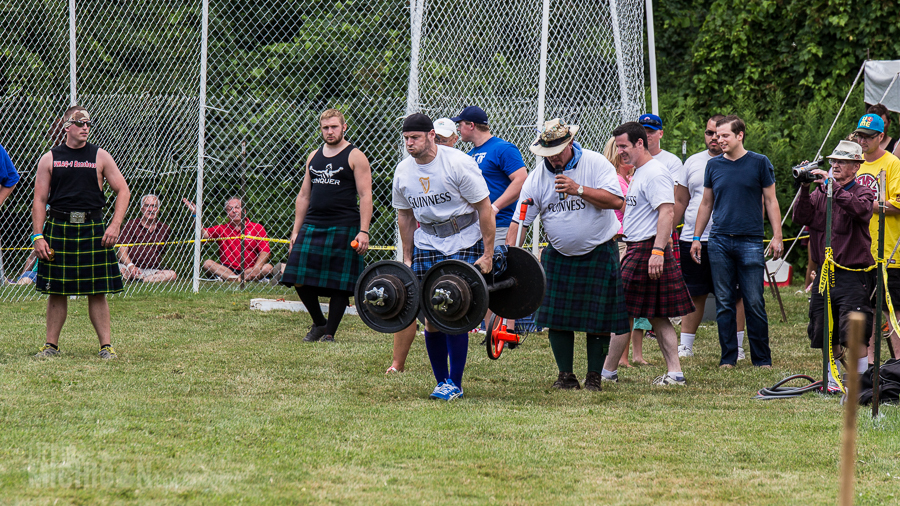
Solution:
(445, 132)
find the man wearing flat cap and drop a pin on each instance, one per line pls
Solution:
(442, 189)
(576, 192)
(852, 208)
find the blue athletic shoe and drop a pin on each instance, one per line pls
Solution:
(453, 391)
(440, 391)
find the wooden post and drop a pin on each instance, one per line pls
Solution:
(848, 439)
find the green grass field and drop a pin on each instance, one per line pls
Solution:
(212, 403)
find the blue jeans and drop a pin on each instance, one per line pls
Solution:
(738, 260)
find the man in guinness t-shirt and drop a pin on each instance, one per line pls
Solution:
(442, 189)
(70, 238)
(327, 219)
(584, 288)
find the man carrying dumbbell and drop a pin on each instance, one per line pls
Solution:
(443, 190)
(576, 191)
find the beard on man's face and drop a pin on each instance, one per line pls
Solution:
(338, 139)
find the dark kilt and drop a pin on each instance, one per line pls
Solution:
(424, 259)
(584, 292)
(81, 265)
(653, 298)
(323, 257)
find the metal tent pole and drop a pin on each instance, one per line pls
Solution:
(201, 144)
(73, 67)
(541, 107)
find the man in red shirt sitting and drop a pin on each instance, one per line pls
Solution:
(255, 251)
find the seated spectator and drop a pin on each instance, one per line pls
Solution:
(255, 251)
(29, 272)
(144, 262)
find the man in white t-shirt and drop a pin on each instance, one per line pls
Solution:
(653, 127)
(576, 192)
(654, 286)
(697, 277)
(442, 189)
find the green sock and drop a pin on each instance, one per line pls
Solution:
(597, 350)
(562, 342)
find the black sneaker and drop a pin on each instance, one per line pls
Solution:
(592, 382)
(327, 338)
(567, 381)
(314, 334)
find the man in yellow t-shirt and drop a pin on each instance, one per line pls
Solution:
(869, 133)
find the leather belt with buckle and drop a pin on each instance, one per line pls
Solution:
(76, 217)
(449, 227)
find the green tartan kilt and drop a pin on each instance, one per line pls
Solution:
(322, 257)
(81, 266)
(584, 292)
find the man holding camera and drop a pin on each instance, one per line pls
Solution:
(852, 208)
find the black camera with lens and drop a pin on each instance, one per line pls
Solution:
(803, 172)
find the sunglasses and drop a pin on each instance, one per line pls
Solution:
(710, 133)
(866, 137)
(82, 124)
(651, 123)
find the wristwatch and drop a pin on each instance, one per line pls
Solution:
(581, 190)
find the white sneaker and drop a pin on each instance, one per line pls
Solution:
(684, 351)
(741, 355)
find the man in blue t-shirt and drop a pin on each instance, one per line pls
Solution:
(500, 163)
(735, 186)
(8, 179)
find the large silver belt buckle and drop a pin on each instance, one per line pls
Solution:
(76, 217)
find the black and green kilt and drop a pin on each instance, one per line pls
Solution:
(323, 257)
(665, 297)
(81, 265)
(584, 292)
(424, 259)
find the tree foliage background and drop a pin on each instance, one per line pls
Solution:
(784, 66)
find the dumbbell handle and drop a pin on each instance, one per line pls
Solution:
(502, 285)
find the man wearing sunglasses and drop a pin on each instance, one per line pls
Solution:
(869, 133)
(74, 245)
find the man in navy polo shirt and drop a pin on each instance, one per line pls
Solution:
(500, 163)
(736, 185)
(8, 179)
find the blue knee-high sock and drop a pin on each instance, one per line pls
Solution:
(458, 349)
(436, 345)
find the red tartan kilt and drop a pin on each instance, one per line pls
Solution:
(665, 297)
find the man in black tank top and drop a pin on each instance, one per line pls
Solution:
(74, 245)
(331, 230)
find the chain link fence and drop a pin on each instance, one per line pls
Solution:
(246, 92)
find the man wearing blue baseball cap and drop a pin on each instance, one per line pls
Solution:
(653, 125)
(869, 133)
(500, 162)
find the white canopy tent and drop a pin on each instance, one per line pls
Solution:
(882, 86)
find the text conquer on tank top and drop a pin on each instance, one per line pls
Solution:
(73, 180)
(332, 201)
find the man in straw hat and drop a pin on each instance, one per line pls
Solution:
(576, 192)
(654, 286)
(852, 208)
(442, 189)
(72, 241)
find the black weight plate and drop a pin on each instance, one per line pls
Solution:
(527, 295)
(477, 309)
(406, 315)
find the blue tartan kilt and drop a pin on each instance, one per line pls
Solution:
(584, 292)
(424, 259)
(81, 265)
(322, 257)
